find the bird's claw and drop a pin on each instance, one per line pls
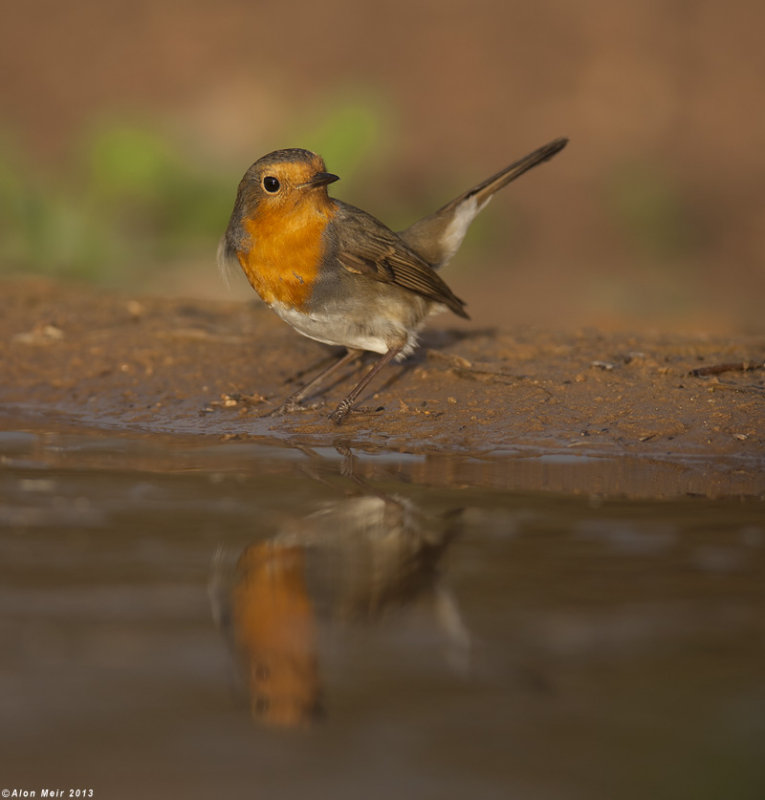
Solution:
(340, 413)
(290, 406)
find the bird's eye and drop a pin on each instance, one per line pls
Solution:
(271, 184)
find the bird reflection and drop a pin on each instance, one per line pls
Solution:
(273, 625)
(352, 561)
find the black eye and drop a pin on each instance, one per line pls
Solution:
(271, 184)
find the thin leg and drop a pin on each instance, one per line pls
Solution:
(341, 412)
(317, 367)
(292, 403)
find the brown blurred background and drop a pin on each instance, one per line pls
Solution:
(125, 127)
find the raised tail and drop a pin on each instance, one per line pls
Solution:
(437, 237)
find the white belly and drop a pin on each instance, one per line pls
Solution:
(320, 327)
(376, 334)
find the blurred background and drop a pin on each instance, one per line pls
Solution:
(126, 126)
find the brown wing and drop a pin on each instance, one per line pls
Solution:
(367, 247)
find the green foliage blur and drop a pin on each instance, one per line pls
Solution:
(133, 198)
(129, 196)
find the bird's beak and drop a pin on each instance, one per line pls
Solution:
(321, 179)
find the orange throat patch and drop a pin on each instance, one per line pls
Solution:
(285, 252)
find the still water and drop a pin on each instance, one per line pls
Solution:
(232, 619)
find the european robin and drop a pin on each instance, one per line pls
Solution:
(337, 274)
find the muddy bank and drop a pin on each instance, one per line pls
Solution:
(96, 360)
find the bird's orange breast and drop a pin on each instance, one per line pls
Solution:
(285, 251)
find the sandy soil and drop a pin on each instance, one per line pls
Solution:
(143, 364)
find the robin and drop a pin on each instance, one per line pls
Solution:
(337, 274)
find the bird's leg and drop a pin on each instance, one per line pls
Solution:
(341, 412)
(292, 403)
(316, 367)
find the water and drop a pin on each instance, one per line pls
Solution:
(200, 619)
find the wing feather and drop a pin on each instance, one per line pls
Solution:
(365, 246)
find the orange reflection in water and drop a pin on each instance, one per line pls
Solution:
(274, 627)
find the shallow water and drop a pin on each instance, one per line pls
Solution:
(204, 619)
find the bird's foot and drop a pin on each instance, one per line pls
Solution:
(290, 406)
(343, 410)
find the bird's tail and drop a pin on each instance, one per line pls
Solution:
(437, 237)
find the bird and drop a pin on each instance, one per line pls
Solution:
(336, 273)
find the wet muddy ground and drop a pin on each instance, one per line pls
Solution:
(691, 406)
